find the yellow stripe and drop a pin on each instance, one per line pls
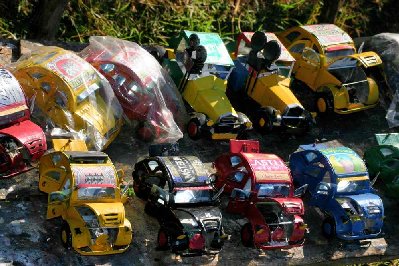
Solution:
(14, 110)
(355, 178)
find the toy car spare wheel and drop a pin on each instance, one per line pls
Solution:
(66, 236)
(325, 102)
(247, 236)
(194, 128)
(264, 120)
(163, 239)
(328, 228)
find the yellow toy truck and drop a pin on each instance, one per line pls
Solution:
(85, 191)
(327, 62)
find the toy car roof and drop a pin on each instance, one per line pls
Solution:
(86, 155)
(284, 56)
(328, 34)
(217, 53)
(185, 170)
(11, 92)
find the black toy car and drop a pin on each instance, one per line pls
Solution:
(180, 195)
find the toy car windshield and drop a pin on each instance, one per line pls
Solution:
(274, 190)
(193, 195)
(95, 192)
(353, 184)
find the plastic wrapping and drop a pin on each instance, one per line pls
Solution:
(147, 94)
(67, 92)
(387, 47)
(21, 141)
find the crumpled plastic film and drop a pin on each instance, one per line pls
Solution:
(386, 45)
(66, 92)
(149, 98)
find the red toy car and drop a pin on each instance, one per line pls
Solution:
(21, 141)
(145, 91)
(262, 190)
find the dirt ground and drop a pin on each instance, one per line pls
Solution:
(27, 238)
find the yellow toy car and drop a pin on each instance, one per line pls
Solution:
(261, 88)
(85, 191)
(327, 62)
(68, 93)
(202, 81)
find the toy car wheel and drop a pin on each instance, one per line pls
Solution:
(264, 120)
(194, 128)
(66, 236)
(163, 239)
(138, 191)
(325, 103)
(328, 228)
(247, 236)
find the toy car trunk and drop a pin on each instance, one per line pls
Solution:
(383, 163)
(340, 187)
(261, 189)
(327, 62)
(68, 93)
(261, 86)
(203, 86)
(22, 142)
(180, 196)
(85, 191)
(144, 89)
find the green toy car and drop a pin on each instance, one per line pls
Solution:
(200, 66)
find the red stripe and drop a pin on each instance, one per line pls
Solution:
(193, 188)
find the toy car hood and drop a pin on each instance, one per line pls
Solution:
(285, 54)
(217, 53)
(109, 214)
(186, 170)
(328, 34)
(367, 201)
(289, 205)
(268, 168)
(203, 213)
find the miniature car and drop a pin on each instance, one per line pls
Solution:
(263, 88)
(85, 191)
(261, 189)
(180, 196)
(327, 62)
(67, 92)
(144, 89)
(383, 163)
(339, 186)
(203, 82)
(21, 141)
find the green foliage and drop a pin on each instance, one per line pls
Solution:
(156, 21)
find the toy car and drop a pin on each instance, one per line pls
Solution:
(383, 163)
(68, 93)
(85, 191)
(339, 186)
(261, 189)
(144, 89)
(262, 85)
(203, 82)
(21, 141)
(181, 198)
(327, 62)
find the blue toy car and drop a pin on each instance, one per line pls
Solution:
(340, 187)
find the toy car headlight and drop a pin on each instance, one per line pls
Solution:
(373, 209)
(243, 118)
(210, 123)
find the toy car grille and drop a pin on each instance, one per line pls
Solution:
(370, 60)
(211, 224)
(111, 219)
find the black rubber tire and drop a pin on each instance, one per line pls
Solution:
(264, 120)
(163, 246)
(328, 228)
(137, 185)
(328, 98)
(67, 242)
(247, 241)
(194, 129)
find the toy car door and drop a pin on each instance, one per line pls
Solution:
(314, 169)
(324, 192)
(240, 199)
(52, 172)
(150, 173)
(58, 200)
(309, 66)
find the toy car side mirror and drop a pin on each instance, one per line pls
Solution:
(299, 192)
(121, 175)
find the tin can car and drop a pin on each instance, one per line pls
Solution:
(85, 191)
(262, 190)
(261, 85)
(144, 89)
(179, 195)
(21, 141)
(203, 83)
(383, 164)
(339, 186)
(67, 92)
(327, 62)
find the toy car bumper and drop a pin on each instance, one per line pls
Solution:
(352, 108)
(358, 237)
(280, 245)
(114, 250)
